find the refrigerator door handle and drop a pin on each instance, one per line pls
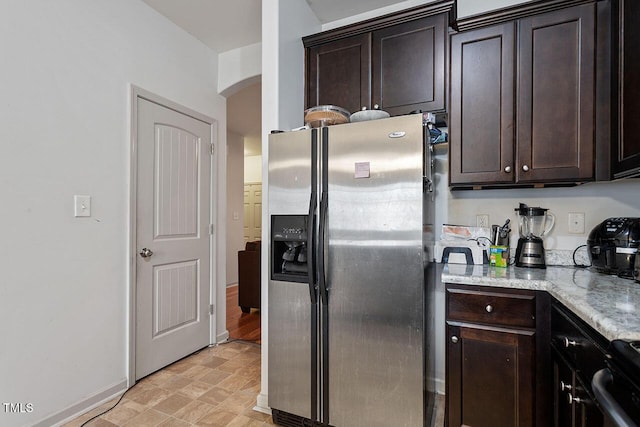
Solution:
(310, 241)
(321, 246)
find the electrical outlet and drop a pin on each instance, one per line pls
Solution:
(576, 222)
(482, 220)
(82, 205)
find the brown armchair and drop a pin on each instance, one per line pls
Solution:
(249, 277)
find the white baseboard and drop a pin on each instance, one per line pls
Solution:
(222, 337)
(74, 411)
(262, 404)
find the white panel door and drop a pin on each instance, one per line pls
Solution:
(173, 216)
(252, 211)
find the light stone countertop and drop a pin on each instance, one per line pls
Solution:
(609, 304)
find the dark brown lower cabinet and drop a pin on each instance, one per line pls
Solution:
(498, 370)
(577, 352)
(573, 407)
(490, 374)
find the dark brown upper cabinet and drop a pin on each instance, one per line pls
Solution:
(523, 95)
(409, 66)
(481, 116)
(556, 90)
(395, 63)
(339, 73)
(626, 147)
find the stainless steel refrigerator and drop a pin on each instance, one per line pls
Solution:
(351, 209)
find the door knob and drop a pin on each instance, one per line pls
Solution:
(146, 253)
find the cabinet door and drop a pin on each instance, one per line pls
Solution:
(409, 66)
(490, 376)
(556, 87)
(482, 106)
(627, 160)
(339, 73)
(563, 383)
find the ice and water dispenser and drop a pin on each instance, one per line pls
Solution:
(289, 252)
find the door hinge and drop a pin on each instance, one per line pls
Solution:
(211, 229)
(212, 309)
(213, 149)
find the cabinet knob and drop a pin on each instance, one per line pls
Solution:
(507, 169)
(572, 399)
(376, 106)
(569, 343)
(564, 386)
(489, 308)
(454, 339)
(525, 168)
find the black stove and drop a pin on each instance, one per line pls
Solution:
(617, 387)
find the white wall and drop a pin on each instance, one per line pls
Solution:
(597, 201)
(284, 22)
(67, 67)
(235, 203)
(473, 7)
(239, 68)
(401, 5)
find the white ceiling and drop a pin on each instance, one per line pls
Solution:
(229, 24)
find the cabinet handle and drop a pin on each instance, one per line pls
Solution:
(454, 339)
(507, 169)
(525, 168)
(489, 308)
(571, 399)
(569, 343)
(564, 386)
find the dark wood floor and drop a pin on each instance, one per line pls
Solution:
(243, 326)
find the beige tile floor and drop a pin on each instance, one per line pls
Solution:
(216, 387)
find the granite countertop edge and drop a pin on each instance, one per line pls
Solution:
(608, 304)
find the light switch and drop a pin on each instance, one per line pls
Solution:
(236, 215)
(82, 205)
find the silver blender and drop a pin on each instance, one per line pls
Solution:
(534, 223)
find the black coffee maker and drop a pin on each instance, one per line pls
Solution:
(533, 224)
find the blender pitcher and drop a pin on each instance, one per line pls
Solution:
(533, 224)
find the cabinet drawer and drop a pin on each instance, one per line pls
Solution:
(582, 347)
(496, 308)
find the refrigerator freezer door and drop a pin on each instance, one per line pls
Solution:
(292, 324)
(375, 274)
